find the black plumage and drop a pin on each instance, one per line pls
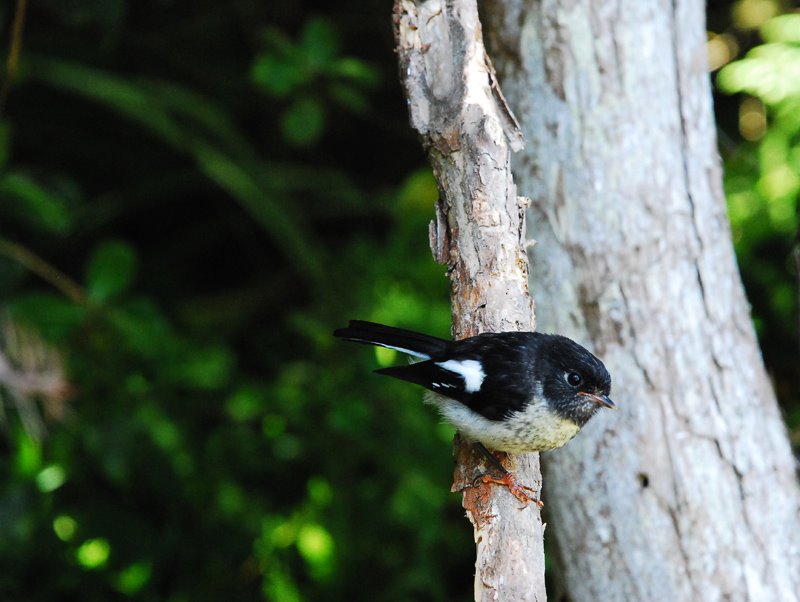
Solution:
(510, 391)
(507, 360)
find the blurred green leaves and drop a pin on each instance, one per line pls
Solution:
(49, 314)
(110, 271)
(213, 439)
(762, 185)
(770, 74)
(303, 122)
(93, 553)
(193, 124)
(28, 200)
(770, 71)
(64, 527)
(306, 75)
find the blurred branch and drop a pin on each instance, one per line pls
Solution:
(14, 47)
(43, 269)
(30, 370)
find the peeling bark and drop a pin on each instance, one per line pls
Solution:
(479, 233)
(689, 492)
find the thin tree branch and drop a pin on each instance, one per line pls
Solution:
(479, 232)
(44, 270)
(14, 47)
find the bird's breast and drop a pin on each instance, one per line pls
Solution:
(534, 428)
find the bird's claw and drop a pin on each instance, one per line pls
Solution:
(517, 490)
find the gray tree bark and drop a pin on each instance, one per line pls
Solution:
(479, 233)
(690, 491)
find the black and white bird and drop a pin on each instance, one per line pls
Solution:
(514, 392)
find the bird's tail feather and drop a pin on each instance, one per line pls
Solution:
(407, 341)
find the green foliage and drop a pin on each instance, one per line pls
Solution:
(27, 199)
(307, 73)
(110, 271)
(213, 441)
(195, 126)
(762, 186)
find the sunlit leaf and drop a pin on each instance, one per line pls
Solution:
(769, 71)
(316, 545)
(51, 478)
(93, 553)
(783, 28)
(65, 527)
(29, 455)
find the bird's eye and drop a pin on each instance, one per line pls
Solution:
(573, 378)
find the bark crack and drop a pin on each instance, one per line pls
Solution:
(684, 137)
(702, 288)
(714, 396)
(615, 45)
(745, 516)
(673, 509)
(622, 560)
(635, 337)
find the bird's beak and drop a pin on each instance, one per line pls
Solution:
(602, 400)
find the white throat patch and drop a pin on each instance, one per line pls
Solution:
(470, 370)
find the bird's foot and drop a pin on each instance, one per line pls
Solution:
(518, 491)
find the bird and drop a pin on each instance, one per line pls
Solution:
(513, 392)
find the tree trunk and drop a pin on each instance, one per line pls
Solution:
(689, 492)
(479, 231)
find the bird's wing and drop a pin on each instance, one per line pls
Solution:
(488, 374)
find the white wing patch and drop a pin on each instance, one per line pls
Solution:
(470, 370)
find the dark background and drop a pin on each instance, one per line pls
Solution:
(192, 196)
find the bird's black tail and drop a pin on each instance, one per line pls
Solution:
(407, 341)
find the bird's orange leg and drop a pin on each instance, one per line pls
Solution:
(508, 480)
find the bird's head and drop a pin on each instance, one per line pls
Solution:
(575, 383)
